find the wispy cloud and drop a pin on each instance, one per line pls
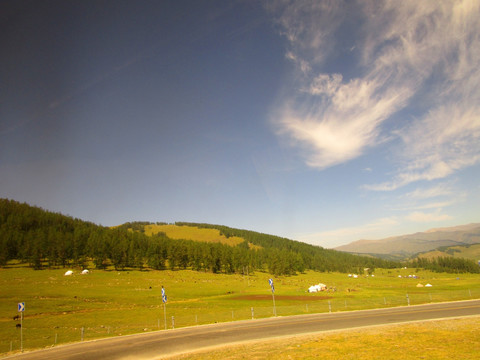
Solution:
(419, 216)
(437, 197)
(376, 228)
(442, 189)
(425, 54)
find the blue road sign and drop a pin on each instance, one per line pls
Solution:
(21, 307)
(164, 296)
(270, 281)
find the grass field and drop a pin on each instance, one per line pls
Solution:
(457, 339)
(192, 233)
(62, 309)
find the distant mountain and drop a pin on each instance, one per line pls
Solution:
(406, 246)
(467, 227)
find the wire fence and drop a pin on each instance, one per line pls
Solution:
(38, 334)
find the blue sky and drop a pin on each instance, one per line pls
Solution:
(324, 122)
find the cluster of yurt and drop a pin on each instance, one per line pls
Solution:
(70, 272)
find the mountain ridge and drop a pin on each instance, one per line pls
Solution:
(411, 244)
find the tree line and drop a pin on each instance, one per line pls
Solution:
(447, 264)
(44, 239)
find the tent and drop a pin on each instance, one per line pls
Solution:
(428, 285)
(68, 273)
(317, 288)
(85, 272)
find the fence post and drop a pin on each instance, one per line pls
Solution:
(82, 332)
(408, 300)
(252, 312)
(329, 306)
(173, 322)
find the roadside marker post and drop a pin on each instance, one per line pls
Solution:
(270, 281)
(21, 310)
(164, 299)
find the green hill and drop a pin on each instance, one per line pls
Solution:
(174, 231)
(43, 239)
(471, 252)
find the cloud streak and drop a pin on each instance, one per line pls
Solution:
(376, 228)
(420, 58)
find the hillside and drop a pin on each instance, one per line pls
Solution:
(471, 252)
(43, 239)
(174, 231)
(406, 246)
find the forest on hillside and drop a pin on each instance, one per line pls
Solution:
(44, 239)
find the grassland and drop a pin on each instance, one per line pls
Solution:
(111, 303)
(192, 233)
(445, 339)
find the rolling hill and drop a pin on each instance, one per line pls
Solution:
(42, 239)
(471, 252)
(408, 246)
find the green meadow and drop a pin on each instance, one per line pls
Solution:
(192, 233)
(61, 309)
(455, 339)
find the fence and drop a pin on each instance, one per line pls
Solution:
(41, 335)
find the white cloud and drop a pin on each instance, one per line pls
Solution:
(375, 229)
(435, 205)
(419, 216)
(345, 124)
(435, 197)
(424, 53)
(446, 140)
(443, 189)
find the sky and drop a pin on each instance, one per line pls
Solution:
(320, 121)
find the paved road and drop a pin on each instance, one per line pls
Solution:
(156, 345)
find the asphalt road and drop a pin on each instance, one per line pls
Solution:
(159, 344)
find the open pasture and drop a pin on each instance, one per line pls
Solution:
(61, 309)
(457, 339)
(192, 233)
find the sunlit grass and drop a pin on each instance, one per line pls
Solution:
(110, 303)
(192, 233)
(445, 339)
